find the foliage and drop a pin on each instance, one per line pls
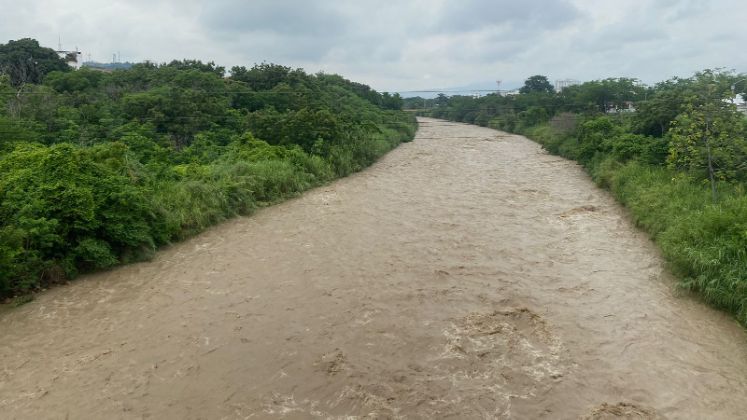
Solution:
(537, 84)
(608, 95)
(704, 242)
(98, 169)
(655, 160)
(25, 61)
(709, 139)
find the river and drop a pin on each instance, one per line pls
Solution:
(467, 274)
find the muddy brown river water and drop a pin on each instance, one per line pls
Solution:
(466, 275)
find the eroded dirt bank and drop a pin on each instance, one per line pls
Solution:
(466, 275)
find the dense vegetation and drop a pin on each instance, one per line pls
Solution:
(675, 154)
(98, 169)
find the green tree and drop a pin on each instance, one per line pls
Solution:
(390, 101)
(99, 168)
(708, 138)
(655, 115)
(263, 76)
(25, 61)
(603, 95)
(442, 100)
(190, 103)
(537, 83)
(209, 67)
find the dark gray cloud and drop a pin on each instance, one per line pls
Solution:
(411, 44)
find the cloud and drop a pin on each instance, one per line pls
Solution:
(410, 44)
(293, 18)
(536, 15)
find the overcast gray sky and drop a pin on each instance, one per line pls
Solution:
(406, 44)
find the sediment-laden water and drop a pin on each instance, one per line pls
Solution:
(467, 274)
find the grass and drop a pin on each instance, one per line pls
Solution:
(705, 243)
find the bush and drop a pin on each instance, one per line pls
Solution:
(704, 242)
(99, 169)
(64, 202)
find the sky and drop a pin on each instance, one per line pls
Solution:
(407, 44)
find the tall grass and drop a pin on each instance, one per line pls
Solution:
(705, 243)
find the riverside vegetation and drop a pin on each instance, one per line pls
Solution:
(99, 169)
(675, 154)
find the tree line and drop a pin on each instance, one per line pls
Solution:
(100, 168)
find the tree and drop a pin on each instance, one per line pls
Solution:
(262, 76)
(442, 100)
(190, 103)
(209, 67)
(656, 114)
(709, 138)
(538, 84)
(533, 116)
(389, 101)
(603, 95)
(25, 61)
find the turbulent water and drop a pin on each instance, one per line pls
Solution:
(468, 274)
